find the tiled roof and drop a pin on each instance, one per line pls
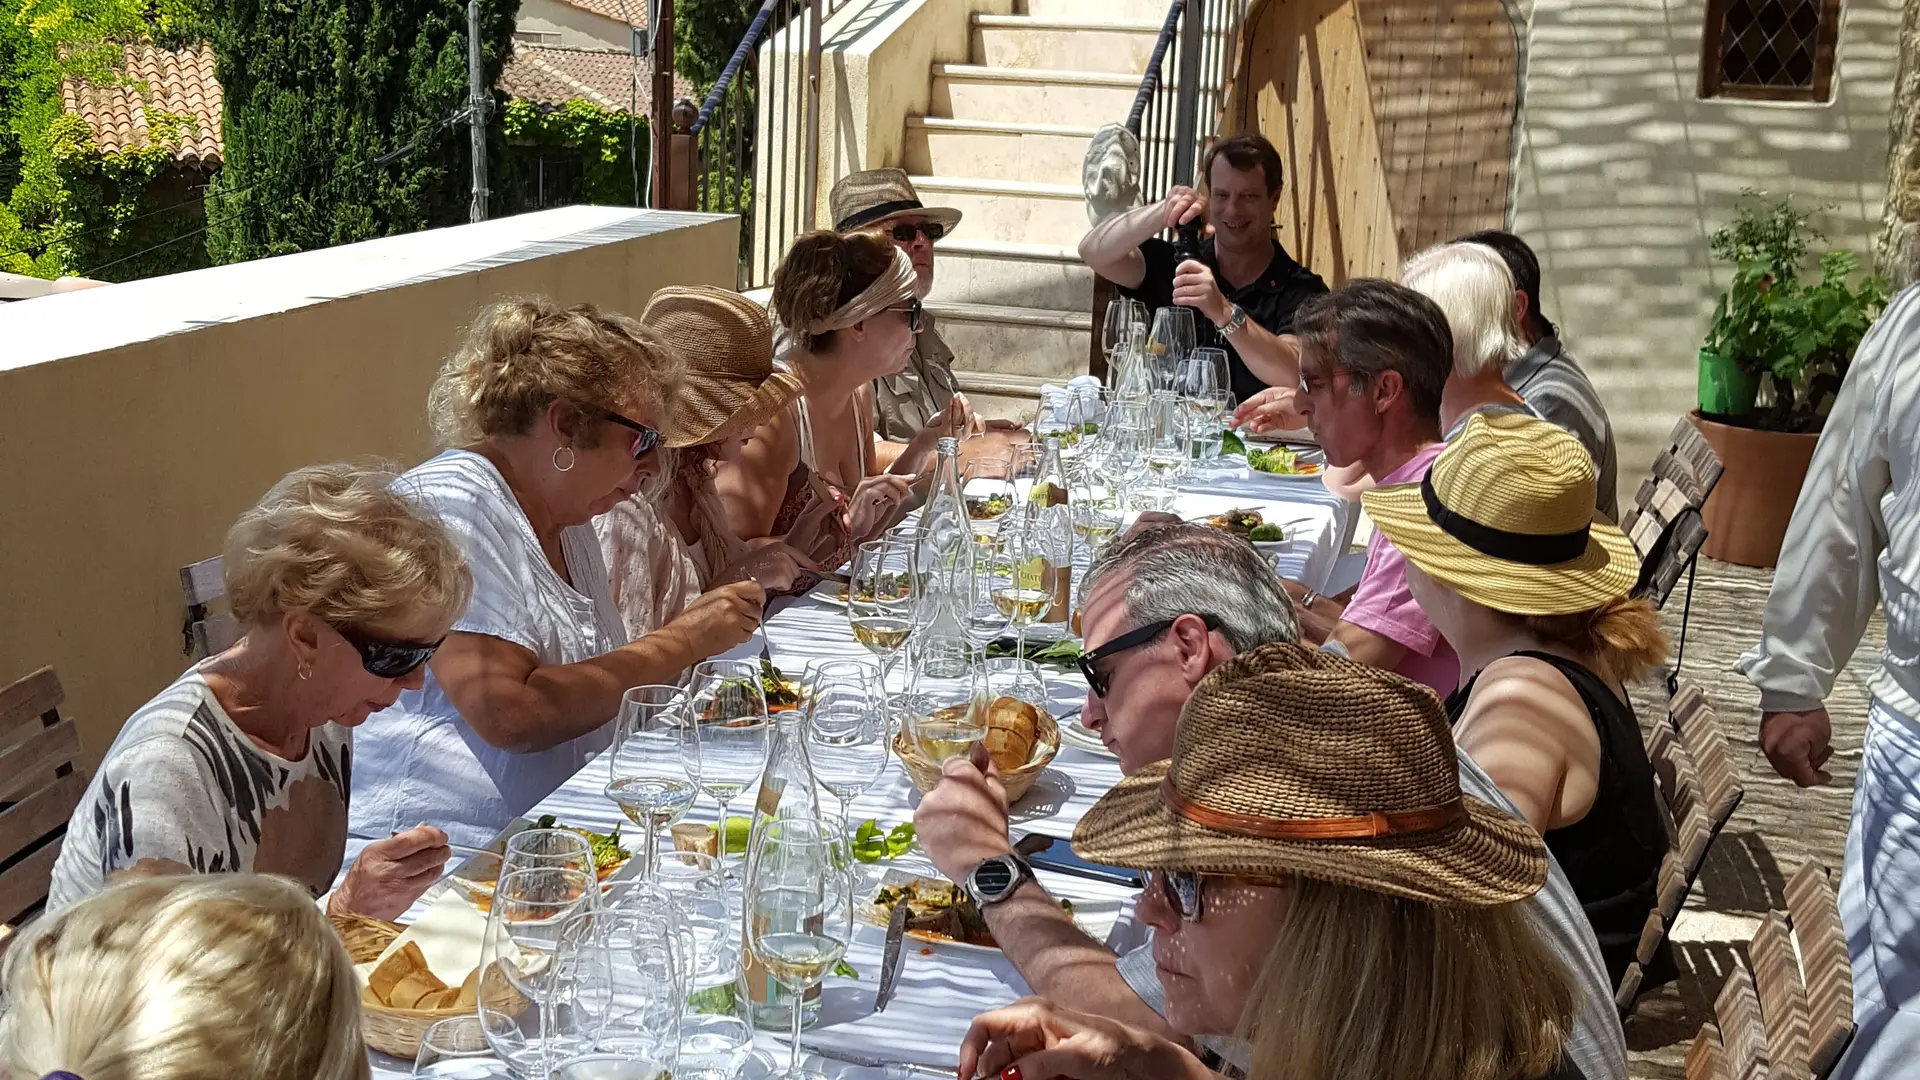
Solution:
(166, 81)
(635, 14)
(550, 75)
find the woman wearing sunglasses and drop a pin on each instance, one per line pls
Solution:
(551, 416)
(1328, 900)
(344, 589)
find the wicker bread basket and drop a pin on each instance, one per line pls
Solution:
(1046, 743)
(397, 1032)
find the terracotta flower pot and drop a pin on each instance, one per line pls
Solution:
(1747, 514)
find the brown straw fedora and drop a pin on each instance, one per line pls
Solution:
(1291, 762)
(1505, 518)
(871, 199)
(731, 386)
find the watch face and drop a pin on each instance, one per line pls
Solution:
(993, 878)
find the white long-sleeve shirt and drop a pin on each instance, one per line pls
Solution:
(1855, 535)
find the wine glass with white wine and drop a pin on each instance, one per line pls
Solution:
(653, 765)
(799, 911)
(880, 599)
(1021, 578)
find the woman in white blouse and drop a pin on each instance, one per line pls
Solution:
(552, 417)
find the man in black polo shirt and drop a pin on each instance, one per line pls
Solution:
(1243, 287)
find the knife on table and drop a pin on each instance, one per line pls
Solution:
(890, 958)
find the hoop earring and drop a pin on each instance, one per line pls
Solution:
(305, 671)
(568, 467)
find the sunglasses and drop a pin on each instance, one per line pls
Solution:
(932, 230)
(1185, 890)
(644, 437)
(387, 659)
(915, 313)
(1089, 661)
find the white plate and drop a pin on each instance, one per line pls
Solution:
(1096, 917)
(1080, 737)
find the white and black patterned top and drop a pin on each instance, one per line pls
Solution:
(184, 789)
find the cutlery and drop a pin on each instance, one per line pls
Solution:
(890, 960)
(868, 1061)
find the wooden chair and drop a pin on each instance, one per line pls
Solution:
(1700, 790)
(1792, 1016)
(39, 787)
(208, 630)
(1664, 521)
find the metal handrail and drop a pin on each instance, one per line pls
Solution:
(740, 53)
(1151, 80)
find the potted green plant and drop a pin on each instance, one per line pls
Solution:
(1776, 352)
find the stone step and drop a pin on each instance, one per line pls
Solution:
(1024, 41)
(1007, 340)
(1001, 397)
(1152, 11)
(1011, 210)
(970, 269)
(995, 150)
(1076, 98)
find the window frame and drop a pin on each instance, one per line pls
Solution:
(1713, 88)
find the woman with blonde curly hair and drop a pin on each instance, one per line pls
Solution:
(344, 588)
(235, 977)
(551, 417)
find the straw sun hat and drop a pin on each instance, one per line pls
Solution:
(1506, 519)
(1352, 780)
(731, 386)
(871, 199)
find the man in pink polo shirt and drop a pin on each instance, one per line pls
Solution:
(1374, 358)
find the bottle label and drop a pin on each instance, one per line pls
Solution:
(1062, 607)
(770, 788)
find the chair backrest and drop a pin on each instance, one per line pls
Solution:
(39, 787)
(209, 628)
(1826, 972)
(1707, 1058)
(1743, 1031)
(1664, 520)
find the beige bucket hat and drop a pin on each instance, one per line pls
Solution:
(872, 199)
(731, 385)
(1506, 518)
(1292, 762)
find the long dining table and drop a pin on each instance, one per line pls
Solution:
(940, 987)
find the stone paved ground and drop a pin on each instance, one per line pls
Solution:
(1777, 826)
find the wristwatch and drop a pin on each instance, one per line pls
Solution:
(997, 878)
(1236, 319)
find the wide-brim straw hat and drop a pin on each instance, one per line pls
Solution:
(731, 385)
(1291, 762)
(876, 197)
(1506, 518)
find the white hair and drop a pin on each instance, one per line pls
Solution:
(1474, 289)
(210, 977)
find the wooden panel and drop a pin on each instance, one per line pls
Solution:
(24, 885)
(1783, 1000)
(202, 581)
(1706, 1059)
(32, 762)
(33, 818)
(1707, 744)
(30, 699)
(1741, 1030)
(1827, 973)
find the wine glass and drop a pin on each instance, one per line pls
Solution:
(1168, 344)
(529, 849)
(1168, 448)
(979, 612)
(1117, 330)
(623, 974)
(523, 992)
(989, 493)
(1021, 577)
(1021, 680)
(654, 764)
(847, 729)
(456, 1048)
(732, 727)
(1207, 420)
(713, 1046)
(697, 885)
(1204, 373)
(799, 913)
(880, 598)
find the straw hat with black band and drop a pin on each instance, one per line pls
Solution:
(874, 198)
(731, 385)
(1506, 518)
(1292, 762)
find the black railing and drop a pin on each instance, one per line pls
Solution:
(1176, 113)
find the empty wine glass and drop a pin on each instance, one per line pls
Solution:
(979, 612)
(1117, 329)
(989, 493)
(456, 1049)
(654, 764)
(623, 970)
(1168, 344)
(697, 885)
(732, 727)
(847, 729)
(530, 849)
(523, 993)
(799, 913)
(880, 598)
(1207, 420)
(1204, 373)
(1168, 448)
(1021, 680)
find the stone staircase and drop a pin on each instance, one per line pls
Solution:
(1004, 146)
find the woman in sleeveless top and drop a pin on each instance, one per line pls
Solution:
(1506, 555)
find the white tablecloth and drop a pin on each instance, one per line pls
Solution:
(940, 988)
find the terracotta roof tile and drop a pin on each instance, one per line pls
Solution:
(635, 14)
(165, 81)
(550, 75)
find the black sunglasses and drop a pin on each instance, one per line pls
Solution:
(904, 234)
(1185, 893)
(1132, 639)
(387, 659)
(915, 313)
(644, 437)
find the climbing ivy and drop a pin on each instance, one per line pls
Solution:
(597, 136)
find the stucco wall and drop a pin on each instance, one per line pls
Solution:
(119, 466)
(1623, 172)
(578, 29)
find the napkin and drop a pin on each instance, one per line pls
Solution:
(449, 935)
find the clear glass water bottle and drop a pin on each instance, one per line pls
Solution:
(786, 791)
